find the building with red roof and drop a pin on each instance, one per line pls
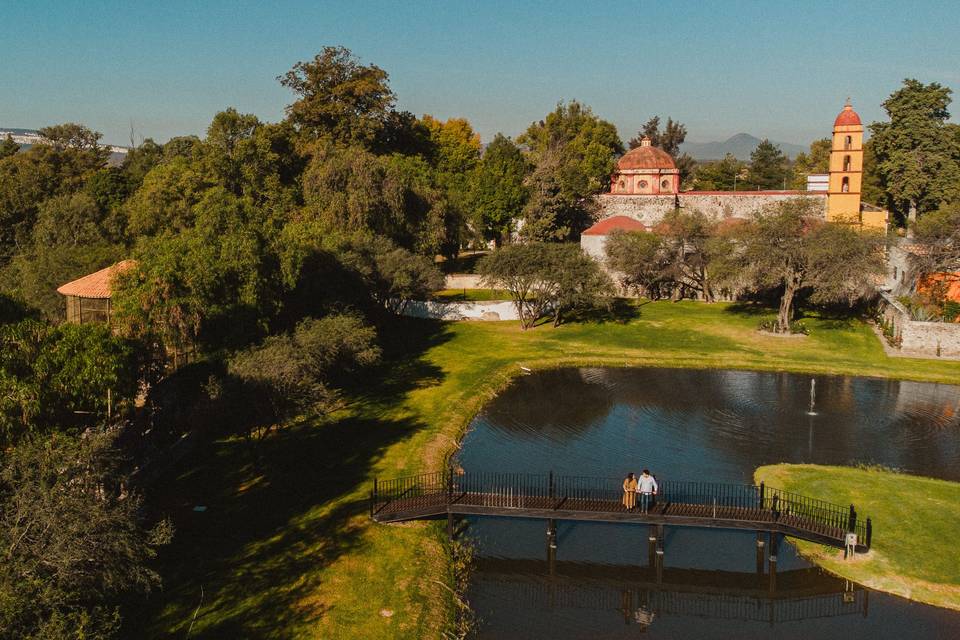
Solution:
(645, 170)
(88, 298)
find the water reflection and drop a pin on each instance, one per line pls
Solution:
(702, 425)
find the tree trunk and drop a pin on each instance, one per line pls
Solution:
(556, 318)
(786, 307)
(911, 218)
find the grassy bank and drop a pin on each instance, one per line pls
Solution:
(915, 524)
(285, 548)
(471, 295)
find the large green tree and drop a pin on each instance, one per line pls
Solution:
(496, 192)
(788, 247)
(768, 167)
(918, 152)
(728, 174)
(573, 153)
(73, 542)
(338, 97)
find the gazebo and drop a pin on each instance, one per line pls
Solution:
(88, 298)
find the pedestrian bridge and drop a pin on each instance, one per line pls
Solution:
(558, 497)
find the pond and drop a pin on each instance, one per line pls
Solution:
(713, 426)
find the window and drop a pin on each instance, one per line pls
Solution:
(847, 142)
(622, 184)
(845, 185)
(665, 184)
(643, 184)
(894, 272)
(846, 163)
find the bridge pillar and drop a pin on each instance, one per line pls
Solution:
(760, 553)
(659, 553)
(451, 526)
(775, 538)
(552, 545)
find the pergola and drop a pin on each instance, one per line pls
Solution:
(88, 298)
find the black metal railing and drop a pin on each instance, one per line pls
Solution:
(526, 490)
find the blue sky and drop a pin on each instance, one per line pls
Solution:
(721, 68)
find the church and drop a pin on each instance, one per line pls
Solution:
(646, 185)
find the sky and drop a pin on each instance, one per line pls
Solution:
(772, 69)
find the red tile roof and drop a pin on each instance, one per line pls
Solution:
(96, 284)
(616, 223)
(847, 117)
(646, 158)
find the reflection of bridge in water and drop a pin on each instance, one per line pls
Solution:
(641, 594)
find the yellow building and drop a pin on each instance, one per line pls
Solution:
(846, 175)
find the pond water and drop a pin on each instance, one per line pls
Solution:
(713, 426)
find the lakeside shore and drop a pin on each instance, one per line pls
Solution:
(317, 562)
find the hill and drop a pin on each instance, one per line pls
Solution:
(740, 146)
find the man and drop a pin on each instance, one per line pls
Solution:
(647, 488)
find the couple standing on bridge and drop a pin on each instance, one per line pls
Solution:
(645, 486)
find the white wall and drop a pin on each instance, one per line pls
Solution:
(461, 310)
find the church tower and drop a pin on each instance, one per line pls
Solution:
(846, 167)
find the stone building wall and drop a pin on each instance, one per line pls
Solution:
(934, 339)
(717, 204)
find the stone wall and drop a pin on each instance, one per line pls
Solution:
(935, 339)
(436, 310)
(718, 204)
(463, 281)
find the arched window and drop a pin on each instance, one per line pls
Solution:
(665, 185)
(846, 163)
(845, 185)
(847, 142)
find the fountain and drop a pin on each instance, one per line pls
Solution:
(813, 397)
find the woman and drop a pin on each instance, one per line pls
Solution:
(630, 491)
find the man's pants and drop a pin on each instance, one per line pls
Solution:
(646, 499)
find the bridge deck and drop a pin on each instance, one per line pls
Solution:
(728, 507)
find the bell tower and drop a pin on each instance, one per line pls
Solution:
(846, 167)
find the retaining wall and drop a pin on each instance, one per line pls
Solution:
(436, 310)
(936, 339)
(717, 204)
(463, 281)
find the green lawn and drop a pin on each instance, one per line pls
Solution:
(285, 548)
(915, 524)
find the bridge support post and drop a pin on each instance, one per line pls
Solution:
(659, 553)
(552, 545)
(652, 547)
(760, 553)
(451, 526)
(775, 538)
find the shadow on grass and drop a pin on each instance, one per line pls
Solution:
(749, 309)
(621, 310)
(270, 527)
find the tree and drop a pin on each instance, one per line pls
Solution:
(688, 250)
(73, 539)
(640, 260)
(8, 147)
(544, 277)
(580, 283)
(768, 166)
(938, 232)
(817, 161)
(496, 192)
(339, 97)
(918, 152)
(728, 174)
(573, 154)
(73, 136)
(670, 139)
(392, 275)
(58, 378)
(788, 246)
(291, 374)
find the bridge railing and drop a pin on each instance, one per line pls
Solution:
(527, 490)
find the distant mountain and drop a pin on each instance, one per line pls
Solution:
(740, 146)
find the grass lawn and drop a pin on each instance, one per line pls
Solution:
(915, 524)
(285, 548)
(471, 295)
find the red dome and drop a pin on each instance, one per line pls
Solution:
(847, 117)
(646, 157)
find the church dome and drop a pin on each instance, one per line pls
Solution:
(646, 157)
(847, 117)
